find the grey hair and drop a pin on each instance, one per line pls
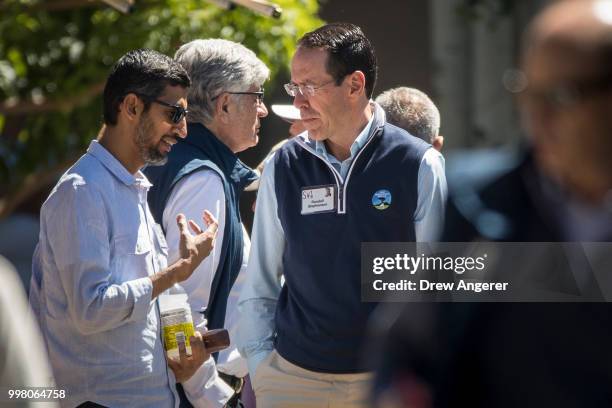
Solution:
(217, 66)
(412, 110)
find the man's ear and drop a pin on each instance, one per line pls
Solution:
(438, 142)
(357, 83)
(131, 107)
(222, 108)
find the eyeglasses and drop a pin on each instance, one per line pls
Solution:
(259, 94)
(568, 94)
(305, 90)
(179, 112)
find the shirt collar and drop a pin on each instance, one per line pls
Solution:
(115, 167)
(359, 142)
(201, 137)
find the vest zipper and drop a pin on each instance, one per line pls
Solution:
(348, 175)
(340, 183)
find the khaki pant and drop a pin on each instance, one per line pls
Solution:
(279, 383)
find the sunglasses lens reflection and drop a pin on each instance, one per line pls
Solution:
(178, 114)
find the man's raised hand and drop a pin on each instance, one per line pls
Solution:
(193, 248)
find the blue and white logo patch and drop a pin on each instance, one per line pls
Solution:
(381, 200)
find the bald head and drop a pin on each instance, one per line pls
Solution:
(579, 29)
(413, 111)
(567, 104)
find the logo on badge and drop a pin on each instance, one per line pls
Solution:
(381, 200)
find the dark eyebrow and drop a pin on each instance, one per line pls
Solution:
(170, 104)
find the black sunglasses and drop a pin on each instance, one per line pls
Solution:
(179, 112)
(259, 94)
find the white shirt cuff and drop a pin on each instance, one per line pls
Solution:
(205, 389)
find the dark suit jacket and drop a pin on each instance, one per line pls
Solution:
(503, 354)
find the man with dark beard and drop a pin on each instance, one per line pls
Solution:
(101, 260)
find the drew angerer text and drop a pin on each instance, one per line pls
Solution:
(425, 285)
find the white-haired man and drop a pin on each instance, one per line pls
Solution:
(203, 171)
(413, 111)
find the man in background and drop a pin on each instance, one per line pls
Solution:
(22, 351)
(413, 111)
(291, 115)
(557, 190)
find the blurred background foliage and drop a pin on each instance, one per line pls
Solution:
(55, 56)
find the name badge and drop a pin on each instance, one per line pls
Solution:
(320, 199)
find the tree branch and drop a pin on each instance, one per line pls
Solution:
(26, 107)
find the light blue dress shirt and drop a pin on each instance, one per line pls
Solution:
(343, 167)
(264, 272)
(91, 289)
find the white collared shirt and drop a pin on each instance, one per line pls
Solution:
(199, 191)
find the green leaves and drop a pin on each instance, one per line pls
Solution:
(55, 54)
